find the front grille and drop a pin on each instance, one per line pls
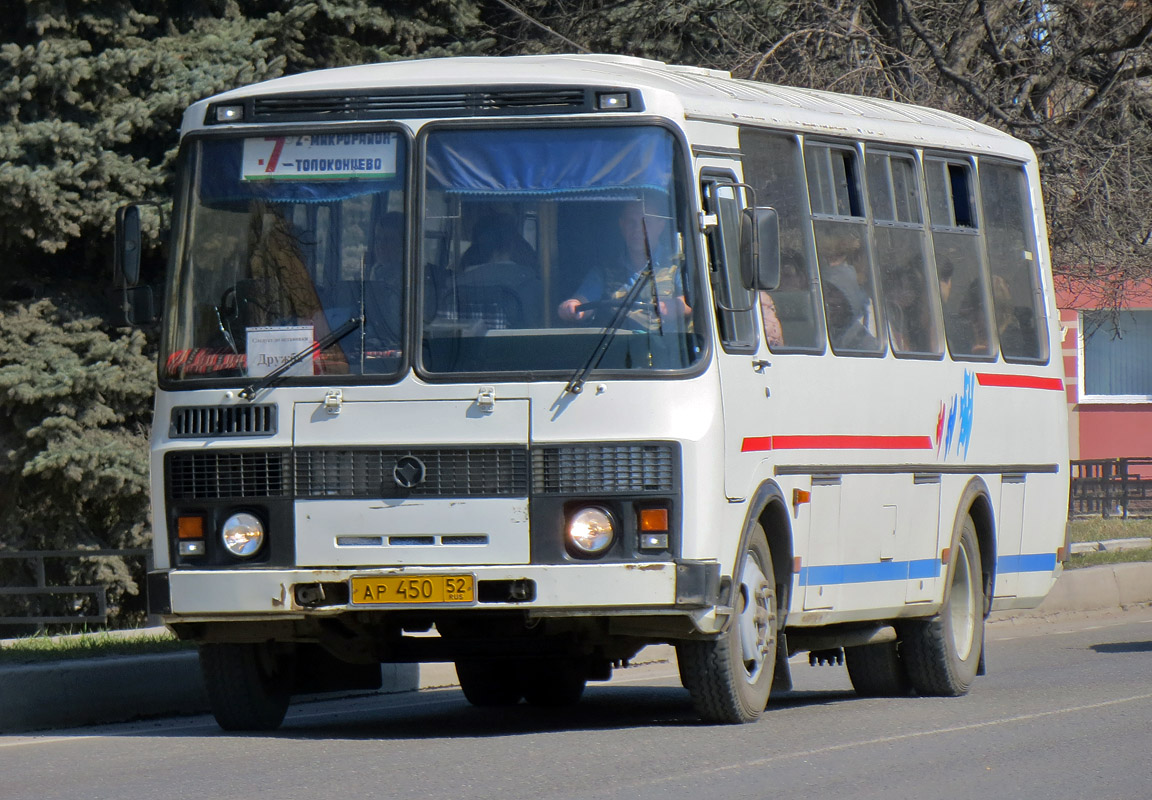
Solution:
(216, 475)
(213, 421)
(323, 472)
(605, 469)
(368, 472)
(289, 108)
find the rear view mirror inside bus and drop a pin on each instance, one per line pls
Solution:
(760, 249)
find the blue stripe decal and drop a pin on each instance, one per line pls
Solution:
(869, 573)
(921, 569)
(1034, 562)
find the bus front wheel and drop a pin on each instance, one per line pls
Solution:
(553, 682)
(248, 685)
(489, 683)
(730, 676)
(942, 654)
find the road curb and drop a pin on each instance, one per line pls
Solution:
(1109, 586)
(120, 688)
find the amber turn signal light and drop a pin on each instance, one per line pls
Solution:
(653, 519)
(190, 527)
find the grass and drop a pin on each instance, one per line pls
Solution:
(1097, 529)
(1110, 557)
(36, 649)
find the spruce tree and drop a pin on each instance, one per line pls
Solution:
(75, 407)
(91, 97)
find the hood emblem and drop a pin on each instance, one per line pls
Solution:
(409, 472)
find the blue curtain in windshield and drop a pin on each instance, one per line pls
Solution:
(551, 161)
(222, 182)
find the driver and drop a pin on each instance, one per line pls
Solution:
(613, 281)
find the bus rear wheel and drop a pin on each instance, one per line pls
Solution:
(876, 670)
(248, 685)
(730, 676)
(942, 654)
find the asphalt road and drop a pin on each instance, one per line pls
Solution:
(1065, 712)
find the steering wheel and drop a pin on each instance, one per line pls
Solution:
(605, 310)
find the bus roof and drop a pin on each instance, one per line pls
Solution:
(699, 93)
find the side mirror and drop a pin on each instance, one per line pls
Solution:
(760, 249)
(128, 245)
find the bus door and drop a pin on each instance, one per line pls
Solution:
(742, 358)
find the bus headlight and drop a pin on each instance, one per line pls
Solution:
(242, 534)
(591, 531)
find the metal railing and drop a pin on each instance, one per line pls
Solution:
(1111, 487)
(41, 589)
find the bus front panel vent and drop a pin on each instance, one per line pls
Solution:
(416, 105)
(209, 422)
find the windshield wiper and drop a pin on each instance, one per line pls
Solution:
(249, 392)
(576, 385)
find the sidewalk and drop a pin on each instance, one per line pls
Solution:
(119, 688)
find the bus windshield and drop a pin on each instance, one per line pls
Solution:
(530, 240)
(535, 238)
(286, 239)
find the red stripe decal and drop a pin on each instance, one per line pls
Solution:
(759, 443)
(1019, 381)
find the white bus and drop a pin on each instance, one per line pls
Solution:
(527, 363)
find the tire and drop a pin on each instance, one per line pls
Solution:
(552, 683)
(942, 654)
(492, 683)
(876, 670)
(730, 676)
(248, 685)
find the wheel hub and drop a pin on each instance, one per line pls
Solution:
(757, 618)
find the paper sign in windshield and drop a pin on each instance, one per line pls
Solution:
(330, 156)
(270, 347)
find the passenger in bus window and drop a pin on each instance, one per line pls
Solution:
(908, 310)
(376, 294)
(640, 233)
(773, 330)
(970, 336)
(496, 240)
(1014, 324)
(945, 269)
(386, 249)
(497, 282)
(840, 245)
(846, 307)
(383, 290)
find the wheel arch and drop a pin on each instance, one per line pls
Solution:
(976, 502)
(769, 507)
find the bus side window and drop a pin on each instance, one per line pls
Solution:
(1017, 295)
(773, 168)
(734, 302)
(840, 225)
(911, 302)
(958, 251)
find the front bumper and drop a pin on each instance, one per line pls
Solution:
(184, 595)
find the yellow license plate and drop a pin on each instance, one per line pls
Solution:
(402, 589)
